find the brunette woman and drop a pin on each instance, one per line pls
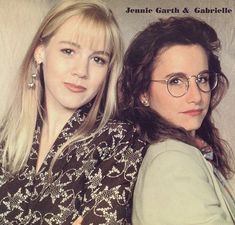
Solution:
(171, 83)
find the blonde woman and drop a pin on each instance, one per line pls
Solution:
(62, 156)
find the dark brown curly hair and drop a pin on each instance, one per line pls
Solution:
(138, 66)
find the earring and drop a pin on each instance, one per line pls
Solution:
(145, 102)
(32, 84)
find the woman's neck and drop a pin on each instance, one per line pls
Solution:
(193, 133)
(53, 122)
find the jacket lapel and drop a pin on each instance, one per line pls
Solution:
(220, 185)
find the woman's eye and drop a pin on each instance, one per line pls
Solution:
(67, 51)
(203, 79)
(99, 60)
(176, 81)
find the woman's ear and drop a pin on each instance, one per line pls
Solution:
(144, 98)
(39, 54)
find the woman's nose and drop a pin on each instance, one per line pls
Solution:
(80, 68)
(193, 93)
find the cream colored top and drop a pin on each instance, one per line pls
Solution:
(177, 186)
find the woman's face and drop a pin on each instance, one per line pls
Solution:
(189, 110)
(73, 70)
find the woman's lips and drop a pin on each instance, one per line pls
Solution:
(74, 88)
(193, 112)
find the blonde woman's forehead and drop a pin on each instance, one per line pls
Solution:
(84, 32)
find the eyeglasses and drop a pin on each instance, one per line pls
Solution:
(178, 83)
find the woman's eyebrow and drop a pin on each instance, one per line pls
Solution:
(70, 43)
(102, 53)
(78, 46)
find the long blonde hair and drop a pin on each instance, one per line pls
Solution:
(18, 124)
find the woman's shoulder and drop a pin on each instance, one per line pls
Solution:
(175, 159)
(121, 130)
(126, 128)
(172, 149)
(120, 123)
(171, 145)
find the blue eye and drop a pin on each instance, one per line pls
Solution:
(67, 51)
(99, 60)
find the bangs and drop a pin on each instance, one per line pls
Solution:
(93, 33)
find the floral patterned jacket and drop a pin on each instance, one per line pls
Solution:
(93, 178)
